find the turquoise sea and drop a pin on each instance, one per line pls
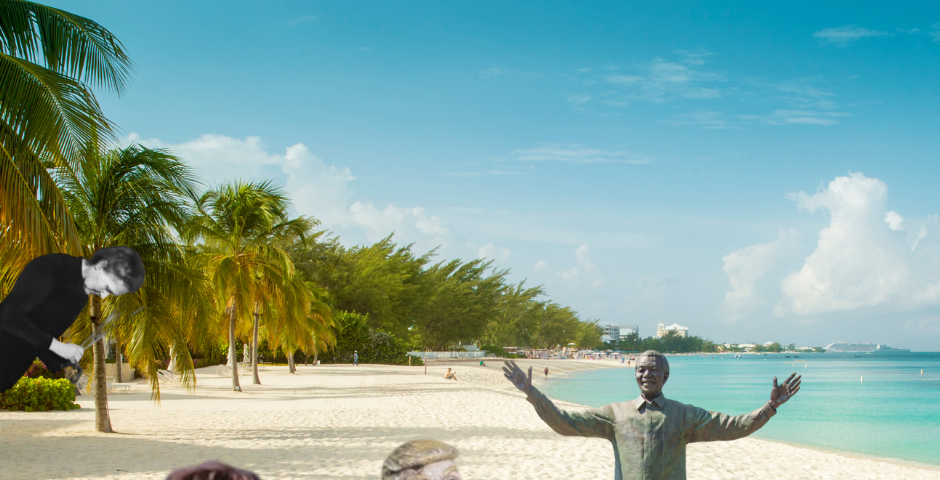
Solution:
(875, 405)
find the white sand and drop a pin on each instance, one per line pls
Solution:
(340, 422)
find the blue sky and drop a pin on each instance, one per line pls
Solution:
(643, 162)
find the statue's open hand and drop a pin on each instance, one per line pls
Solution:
(517, 376)
(780, 394)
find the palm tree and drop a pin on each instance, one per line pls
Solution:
(241, 225)
(135, 197)
(47, 115)
(300, 315)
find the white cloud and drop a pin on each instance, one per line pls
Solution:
(583, 255)
(859, 261)
(494, 71)
(584, 273)
(842, 36)
(661, 80)
(493, 252)
(866, 257)
(747, 267)
(806, 117)
(317, 189)
(920, 236)
(301, 19)
(894, 220)
(575, 153)
(706, 120)
(540, 265)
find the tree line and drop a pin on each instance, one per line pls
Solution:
(670, 342)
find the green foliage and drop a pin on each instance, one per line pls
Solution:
(373, 345)
(39, 395)
(49, 60)
(39, 370)
(671, 342)
(496, 351)
(437, 306)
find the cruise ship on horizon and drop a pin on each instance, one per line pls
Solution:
(846, 347)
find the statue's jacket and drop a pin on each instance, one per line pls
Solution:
(649, 437)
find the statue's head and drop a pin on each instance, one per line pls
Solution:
(652, 371)
(421, 460)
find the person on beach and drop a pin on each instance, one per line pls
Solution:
(212, 470)
(450, 375)
(50, 293)
(546, 372)
(355, 358)
(421, 460)
(650, 433)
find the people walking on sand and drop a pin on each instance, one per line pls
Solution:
(50, 293)
(450, 375)
(546, 372)
(355, 358)
(650, 433)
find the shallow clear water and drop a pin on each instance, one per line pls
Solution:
(876, 405)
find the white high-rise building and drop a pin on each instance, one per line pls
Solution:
(661, 330)
(612, 330)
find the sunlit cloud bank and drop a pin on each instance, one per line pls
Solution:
(321, 190)
(867, 257)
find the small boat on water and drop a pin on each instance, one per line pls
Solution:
(858, 356)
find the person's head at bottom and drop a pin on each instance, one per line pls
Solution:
(212, 470)
(421, 460)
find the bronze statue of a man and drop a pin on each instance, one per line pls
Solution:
(650, 433)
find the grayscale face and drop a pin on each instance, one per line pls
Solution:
(103, 283)
(650, 376)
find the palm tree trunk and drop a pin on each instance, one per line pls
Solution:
(231, 349)
(118, 360)
(254, 351)
(102, 418)
(290, 363)
(315, 355)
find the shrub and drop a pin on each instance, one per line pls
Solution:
(39, 370)
(374, 345)
(39, 394)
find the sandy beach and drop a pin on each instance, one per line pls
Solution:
(341, 421)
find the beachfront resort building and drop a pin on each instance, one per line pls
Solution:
(662, 330)
(627, 330)
(611, 331)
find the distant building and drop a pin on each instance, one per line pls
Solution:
(747, 346)
(627, 330)
(661, 330)
(767, 344)
(611, 330)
